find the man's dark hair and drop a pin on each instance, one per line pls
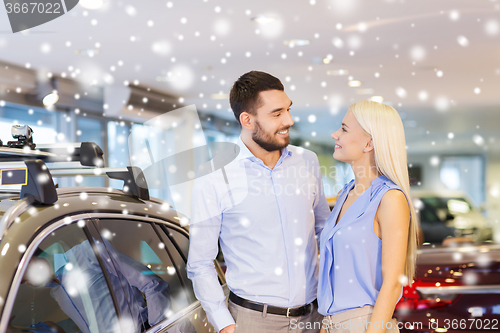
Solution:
(244, 94)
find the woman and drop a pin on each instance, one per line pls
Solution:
(368, 244)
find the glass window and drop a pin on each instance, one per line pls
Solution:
(64, 288)
(464, 173)
(177, 245)
(148, 146)
(149, 265)
(179, 239)
(42, 122)
(118, 156)
(91, 131)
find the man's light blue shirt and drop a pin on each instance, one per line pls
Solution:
(268, 222)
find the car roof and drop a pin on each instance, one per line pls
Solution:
(439, 255)
(71, 201)
(25, 193)
(439, 193)
(442, 194)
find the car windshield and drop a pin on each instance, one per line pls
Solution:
(6, 201)
(453, 204)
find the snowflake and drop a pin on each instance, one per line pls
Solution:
(418, 53)
(463, 41)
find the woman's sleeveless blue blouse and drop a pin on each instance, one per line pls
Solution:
(350, 273)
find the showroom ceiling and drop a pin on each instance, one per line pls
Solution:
(437, 62)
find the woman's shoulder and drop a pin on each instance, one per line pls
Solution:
(393, 196)
(393, 204)
(381, 186)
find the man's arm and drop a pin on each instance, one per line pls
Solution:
(204, 232)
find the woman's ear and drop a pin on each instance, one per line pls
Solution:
(369, 146)
(246, 121)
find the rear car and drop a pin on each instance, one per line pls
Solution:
(454, 289)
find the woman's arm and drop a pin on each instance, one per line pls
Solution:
(393, 220)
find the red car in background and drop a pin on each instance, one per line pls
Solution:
(455, 289)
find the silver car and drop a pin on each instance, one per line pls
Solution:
(85, 259)
(450, 214)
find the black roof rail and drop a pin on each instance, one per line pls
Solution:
(39, 186)
(87, 153)
(134, 181)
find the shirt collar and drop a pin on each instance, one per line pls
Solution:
(244, 151)
(379, 180)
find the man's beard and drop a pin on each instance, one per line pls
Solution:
(267, 141)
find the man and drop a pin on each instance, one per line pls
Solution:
(267, 209)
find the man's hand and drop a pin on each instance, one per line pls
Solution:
(228, 329)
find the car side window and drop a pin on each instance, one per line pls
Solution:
(146, 262)
(179, 239)
(181, 242)
(177, 245)
(64, 288)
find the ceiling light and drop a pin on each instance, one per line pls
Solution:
(51, 98)
(328, 59)
(366, 91)
(378, 99)
(165, 79)
(88, 52)
(91, 4)
(337, 72)
(220, 96)
(262, 19)
(47, 92)
(296, 42)
(354, 83)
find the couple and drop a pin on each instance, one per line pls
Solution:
(269, 213)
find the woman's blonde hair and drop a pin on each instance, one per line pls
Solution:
(383, 123)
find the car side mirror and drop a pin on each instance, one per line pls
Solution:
(449, 216)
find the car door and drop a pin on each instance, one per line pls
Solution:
(179, 239)
(150, 256)
(63, 286)
(434, 229)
